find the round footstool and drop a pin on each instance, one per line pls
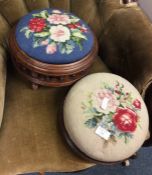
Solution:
(52, 48)
(104, 118)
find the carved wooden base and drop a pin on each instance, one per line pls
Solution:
(44, 74)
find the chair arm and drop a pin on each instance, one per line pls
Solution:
(2, 81)
(126, 46)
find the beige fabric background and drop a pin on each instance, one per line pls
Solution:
(85, 138)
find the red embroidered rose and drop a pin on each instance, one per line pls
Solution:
(125, 120)
(72, 26)
(137, 104)
(37, 24)
(77, 25)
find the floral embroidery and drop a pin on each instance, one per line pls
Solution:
(113, 109)
(125, 120)
(37, 24)
(58, 19)
(56, 31)
(60, 33)
(137, 104)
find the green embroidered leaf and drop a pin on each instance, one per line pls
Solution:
(24, 29)
(63, 50)
(69, 51)
(28, 33)
(36, 44)
(121, 135)
(69, 48)
(139, 125)
(37, 15)
(42, 34)
(74, 17)
(126, 139)
(121, 105)
(80, 45)
(74, 20)
(79, 35)
(99, 116)
(44, 14)
(91, 123)
(111, 115)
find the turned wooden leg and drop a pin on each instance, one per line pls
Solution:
(35, 86)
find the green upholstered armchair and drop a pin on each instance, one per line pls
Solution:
(30, 140)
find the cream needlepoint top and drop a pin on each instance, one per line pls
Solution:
(105, 117)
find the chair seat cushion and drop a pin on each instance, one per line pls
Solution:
(105, 117)
(30, 140)
(54, 36)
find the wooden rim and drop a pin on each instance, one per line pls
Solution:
(51, 83)
(50, 69)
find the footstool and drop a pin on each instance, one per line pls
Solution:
(104, 119)
(52, 48)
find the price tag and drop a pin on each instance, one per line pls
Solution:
(103, 133)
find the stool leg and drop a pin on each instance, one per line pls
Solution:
(126, 163)
(35, 86)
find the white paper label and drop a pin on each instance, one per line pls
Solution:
(100, 131)
(104, 103)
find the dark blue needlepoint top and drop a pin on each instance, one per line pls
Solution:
(54, 36)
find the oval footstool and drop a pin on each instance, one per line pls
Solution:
(104, 118)
(52, 48)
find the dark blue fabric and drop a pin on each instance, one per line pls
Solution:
(39, 53)
(139, 166)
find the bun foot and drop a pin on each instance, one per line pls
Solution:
(34, 86)
(126, 163)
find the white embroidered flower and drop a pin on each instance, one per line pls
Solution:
(105, 101)
(56, 11)
(60, 33)
(59, 19)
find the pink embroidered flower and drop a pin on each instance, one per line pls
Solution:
(45, 42)
(59, 19)
(125, 120)
(37, 24)
(51, 48)
(59, 33)
(84, 29)
(104, 101)
(137, 104)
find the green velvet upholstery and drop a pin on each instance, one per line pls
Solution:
(29, 137)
